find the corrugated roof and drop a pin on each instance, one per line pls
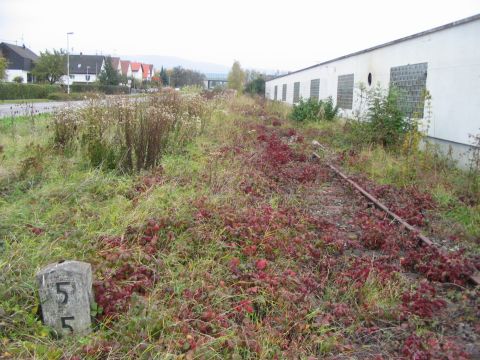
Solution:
(410, 37)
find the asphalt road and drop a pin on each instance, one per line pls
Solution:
(7, 110)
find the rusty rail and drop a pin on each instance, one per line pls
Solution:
(475, 278)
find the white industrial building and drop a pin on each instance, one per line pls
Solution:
(444, 60)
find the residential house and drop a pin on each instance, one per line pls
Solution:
(126, 68)
(147, 72)
(85, 68)
(116, 64)
(137, 71)
(20, 61)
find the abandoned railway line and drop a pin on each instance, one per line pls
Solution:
(474, 278)
(239, 245)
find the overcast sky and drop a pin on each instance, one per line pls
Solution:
(285, 35)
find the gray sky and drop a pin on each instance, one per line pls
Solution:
(285, 35)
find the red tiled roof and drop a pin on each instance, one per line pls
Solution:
(124, 64)
(146, 70)
(136, 66)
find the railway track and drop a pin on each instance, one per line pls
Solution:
(474, 278)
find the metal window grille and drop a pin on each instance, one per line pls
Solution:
(314, 89)
(296, 92)
(411, 83)
(345, 91)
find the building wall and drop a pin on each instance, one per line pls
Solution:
(453, 77)
(77, 78)
(138, 74)
(11, 74)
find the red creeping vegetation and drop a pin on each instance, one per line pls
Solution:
(285, 271)
(428, 347)
(279, 161)
(120, 276)
(423, 302)
(436, 266)
(410, 204)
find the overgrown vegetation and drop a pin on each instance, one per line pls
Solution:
(50, 66)
(314, 110)
(234, 245)
(390, 148)
(131, 135)
(13, 91)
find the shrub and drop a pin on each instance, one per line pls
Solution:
(132, 135)
(313, 110)
(98, 88)
(12, 91)
(384, 122)
(387, 122)
(62, 96)
(329, 110)
(18, 79)
(306, 110)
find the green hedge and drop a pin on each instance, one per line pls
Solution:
(105, 89)
(13, 91)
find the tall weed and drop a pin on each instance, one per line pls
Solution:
(132, 134)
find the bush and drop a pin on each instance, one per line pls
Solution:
(132, 135)
(13, 91)
(18, 79)
(329, 111)
(62, 96)
(306, 110)
(98, 88)
(313, 110)
(387, 122)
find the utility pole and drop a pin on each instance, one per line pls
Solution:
(68, 63)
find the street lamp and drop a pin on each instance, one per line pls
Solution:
(68, 64)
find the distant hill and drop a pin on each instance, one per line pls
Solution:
(171, 61)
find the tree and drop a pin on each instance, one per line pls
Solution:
(256, 84)
(236, 77)
(50, 66)
(181, 77)
(3, 67)
(123, 79)
(109, 75)
(164, 77)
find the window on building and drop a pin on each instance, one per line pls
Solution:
(87, 77)
(275, 93)
(314, 89)
(345, 91)
(411, 84)
(284, 92)
(72, 77)
(296, 92)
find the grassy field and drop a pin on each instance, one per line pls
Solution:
(23, 101)
(233, 244)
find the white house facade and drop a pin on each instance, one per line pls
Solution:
(84, 68)
(137, 71)
(20, 62)
(444, 60)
